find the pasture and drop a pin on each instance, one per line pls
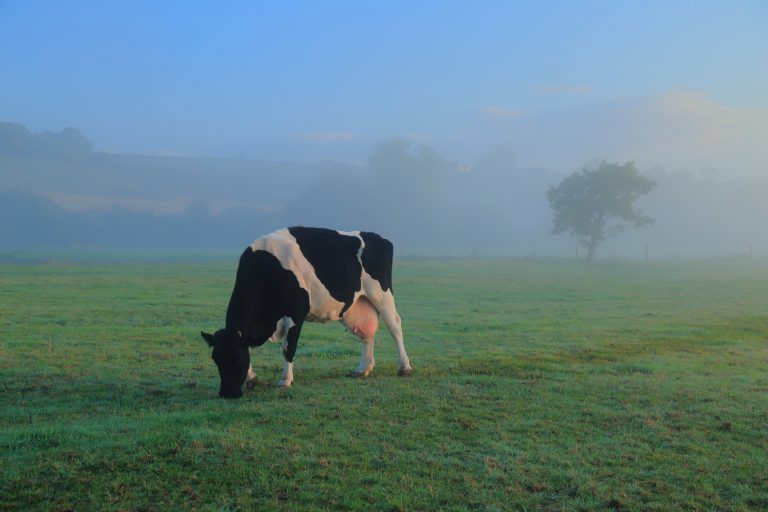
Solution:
(537, 385)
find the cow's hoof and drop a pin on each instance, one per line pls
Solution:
(356, 374)
(251, 383)
(283, 385)
(404, 372)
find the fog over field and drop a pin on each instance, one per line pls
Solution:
(441, 127)
(501, 146)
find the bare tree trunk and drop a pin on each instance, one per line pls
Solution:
(591, 248)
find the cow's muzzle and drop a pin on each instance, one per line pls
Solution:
(230, 394)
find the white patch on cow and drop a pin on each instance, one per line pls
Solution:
(324, 308)
(283, 326)
(357, 235)
(366, 360)
(282, 245)
(287, 378)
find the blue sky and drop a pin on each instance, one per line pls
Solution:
(310, 80)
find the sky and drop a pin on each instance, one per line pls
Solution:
(681, 84)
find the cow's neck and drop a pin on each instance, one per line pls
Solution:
(242, 316)
(239, 312)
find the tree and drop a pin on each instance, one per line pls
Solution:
(406, 187)
(596, 205)
(396, 165)
(69, 145)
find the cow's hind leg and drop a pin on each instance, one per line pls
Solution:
(362, 320)
(392, 321)
(366, 360)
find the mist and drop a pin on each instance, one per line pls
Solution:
(57, 192)
(132, 126)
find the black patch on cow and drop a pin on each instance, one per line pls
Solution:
(264, 293)
(334, 258)
(377, 258)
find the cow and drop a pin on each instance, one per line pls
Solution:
(300, 274)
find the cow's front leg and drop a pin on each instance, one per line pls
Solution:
(289, 350)
(250, 380)
(287, 379)
(366, 360)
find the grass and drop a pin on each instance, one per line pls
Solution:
(537, 386)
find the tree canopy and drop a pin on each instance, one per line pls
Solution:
(598, 204)
(68, 145)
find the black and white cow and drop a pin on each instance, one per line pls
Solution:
(313, 274)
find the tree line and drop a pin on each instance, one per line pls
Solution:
(423, 202)
(69, 145)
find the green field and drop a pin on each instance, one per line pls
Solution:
(538, 385)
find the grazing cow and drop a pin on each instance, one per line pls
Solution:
(313, 274)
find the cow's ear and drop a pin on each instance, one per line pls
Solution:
(207, 337)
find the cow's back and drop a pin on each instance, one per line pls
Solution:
(326, 264)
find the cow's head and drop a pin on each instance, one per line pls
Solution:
(231, 355)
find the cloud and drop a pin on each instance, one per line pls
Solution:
(562, 89)
(499, 113)
(689, 129)
(420, 138)
(676, 129)
(331, 137)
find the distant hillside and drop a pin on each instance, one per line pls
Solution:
(63, 168)
(55, 196)
(29, 221)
